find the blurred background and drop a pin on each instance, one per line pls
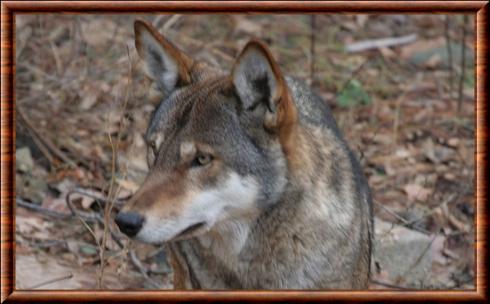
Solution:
(400, 86)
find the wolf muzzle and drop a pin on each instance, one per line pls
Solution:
(129, 223)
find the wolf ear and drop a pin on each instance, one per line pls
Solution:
(259, 82)
(165, 64)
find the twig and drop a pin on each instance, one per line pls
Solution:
(51, 213)
(65, 277)
(96, 240)
(353, 75)
(159, 18)
(86, 217)
(419, 258)
(47, 243)
(449, 53)
(379, 43)
(312, 47)
(443, 203)
(91, 217)
(101, 198)
(77, 213)
(396, 120)
(388, 285)
(90, 230)
(43, 142)
(463, 63)
(56, 57)
(142, 269)
(107, 210)
(35, 137)
(405, 222)
(170, 22)
(111, 194)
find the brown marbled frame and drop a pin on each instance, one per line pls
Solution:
(10, 8)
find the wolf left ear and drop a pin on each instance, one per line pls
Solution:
(259, 82)
(165, 64)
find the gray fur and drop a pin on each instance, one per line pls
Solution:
(312, 228)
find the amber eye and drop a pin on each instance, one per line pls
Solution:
(202, 160)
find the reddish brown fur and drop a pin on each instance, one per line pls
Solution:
(185, 63)
(286, 118)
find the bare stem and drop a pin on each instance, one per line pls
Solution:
(449, 53)
(62, 278)
(112, 193)
(463, 63)
(312, 47)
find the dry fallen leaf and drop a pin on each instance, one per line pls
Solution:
(246, 26)
(128, 185)
(416, 192)
(33, 227)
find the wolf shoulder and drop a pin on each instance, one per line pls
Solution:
(315, 112)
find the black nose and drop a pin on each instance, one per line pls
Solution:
(129, 222)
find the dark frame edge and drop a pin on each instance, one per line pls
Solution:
(482, 54)
(8, 293)
(288, 295)
(7, 155)
(249, 6)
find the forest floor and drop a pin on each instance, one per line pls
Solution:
(407, 110)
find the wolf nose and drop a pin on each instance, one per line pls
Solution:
(129, 222)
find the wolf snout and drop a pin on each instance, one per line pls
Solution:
(129, 223)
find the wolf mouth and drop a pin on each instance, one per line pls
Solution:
(190, 231)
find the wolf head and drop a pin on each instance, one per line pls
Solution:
(217, 143)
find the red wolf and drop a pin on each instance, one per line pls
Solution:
(251, 184)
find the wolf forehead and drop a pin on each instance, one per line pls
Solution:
(207, 107)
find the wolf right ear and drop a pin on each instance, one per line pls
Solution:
(165, 64)
(259, 82)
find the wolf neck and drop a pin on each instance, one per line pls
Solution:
(229, 249)
(227, 240)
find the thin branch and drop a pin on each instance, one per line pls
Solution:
(379, 43)
(449, 53)
(353, 75)
(312, 47)
(35, 137)
(170, 22)
(100, 197)
(113, 193)
(77, 213)
(38, 208)
(404, 221)
(92, 232)
(43, 142)
(449, 199)
(419, 258)
(142, 269)
(463, 63)
(388, 285)
(65, 277)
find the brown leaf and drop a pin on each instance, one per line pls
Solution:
(416, 192)
(128, 185)
(242, 24)
(33, 227)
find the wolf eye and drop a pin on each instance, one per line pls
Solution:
(201, 160)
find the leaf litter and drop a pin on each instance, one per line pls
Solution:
(394, 104)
